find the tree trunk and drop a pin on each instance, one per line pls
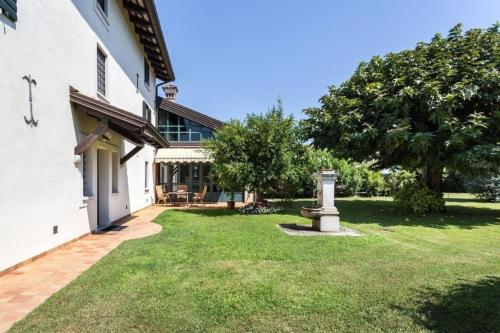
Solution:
(434, 177)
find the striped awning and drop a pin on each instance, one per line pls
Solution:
(182, 155)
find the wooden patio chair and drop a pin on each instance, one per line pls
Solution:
(182, 188)
(200, 196)
(162, 197)
(185, 196)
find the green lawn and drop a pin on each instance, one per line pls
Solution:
(218, 271)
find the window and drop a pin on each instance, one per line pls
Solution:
(146, 111)
(103, 5)
(86, 175)
(101, 72)
(176, 128)
(146, 73)
(9, 9)
(146, 175)
(114, 172)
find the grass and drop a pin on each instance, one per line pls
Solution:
(217, 271)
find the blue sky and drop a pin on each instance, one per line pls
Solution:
(233, 57)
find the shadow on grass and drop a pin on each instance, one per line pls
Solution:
(209, 211)
(471, 200)
(467, 307)
(384, 213)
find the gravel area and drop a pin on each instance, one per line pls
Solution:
(307, 230)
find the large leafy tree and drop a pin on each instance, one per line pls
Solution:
(432, 107)
(258, 154)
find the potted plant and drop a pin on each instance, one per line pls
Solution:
(231, 184)
(231, 203)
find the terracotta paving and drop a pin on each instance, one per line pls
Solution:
(23, 289)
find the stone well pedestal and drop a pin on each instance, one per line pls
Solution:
(325, 216)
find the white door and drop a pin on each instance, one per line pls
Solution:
(103, 187)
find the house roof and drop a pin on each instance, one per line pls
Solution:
(132, 127)
(190, 114)
(143, 15)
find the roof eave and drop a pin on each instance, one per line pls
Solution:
(190, 114)
(157, 28)
(144, 17)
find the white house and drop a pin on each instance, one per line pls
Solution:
(77, 89)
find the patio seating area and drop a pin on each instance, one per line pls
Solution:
(182, 196)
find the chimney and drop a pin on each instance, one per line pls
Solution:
(170, 91)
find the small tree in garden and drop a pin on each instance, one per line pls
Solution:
(228, 151)
(433, 107)
(258, 154)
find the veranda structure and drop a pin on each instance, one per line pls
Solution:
(184, 161)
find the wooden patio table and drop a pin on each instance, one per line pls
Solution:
(180, 193)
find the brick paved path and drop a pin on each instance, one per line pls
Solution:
(23, 289)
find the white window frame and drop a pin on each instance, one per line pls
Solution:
(147, 84)
(106, 81)
(146, 176)
(90, 194)
(102, 14)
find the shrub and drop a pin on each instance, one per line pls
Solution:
(485, 187)
(259, 208)
(350, 178)
(398, 178)
(419, 199)
(373, 182)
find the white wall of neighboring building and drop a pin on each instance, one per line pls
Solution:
(40, 184)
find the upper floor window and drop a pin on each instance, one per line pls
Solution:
(101, 72)
(103, 5)
(146, 111)
(9, 9)
(146, 73)
(177, 128)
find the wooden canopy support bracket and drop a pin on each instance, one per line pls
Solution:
(92, 137)
(130, 154)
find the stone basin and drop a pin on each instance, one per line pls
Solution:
(312, 213)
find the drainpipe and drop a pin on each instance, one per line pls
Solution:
(156, 99)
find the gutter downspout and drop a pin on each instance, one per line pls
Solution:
(157, 97)
(157, 104)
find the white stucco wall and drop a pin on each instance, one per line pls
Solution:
(40, 184)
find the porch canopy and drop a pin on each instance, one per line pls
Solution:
(132, 127)
(182, 156)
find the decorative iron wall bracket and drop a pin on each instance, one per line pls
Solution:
(30, 121)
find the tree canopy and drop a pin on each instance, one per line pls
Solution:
(432, 107)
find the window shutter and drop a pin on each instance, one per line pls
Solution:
(9, 8)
